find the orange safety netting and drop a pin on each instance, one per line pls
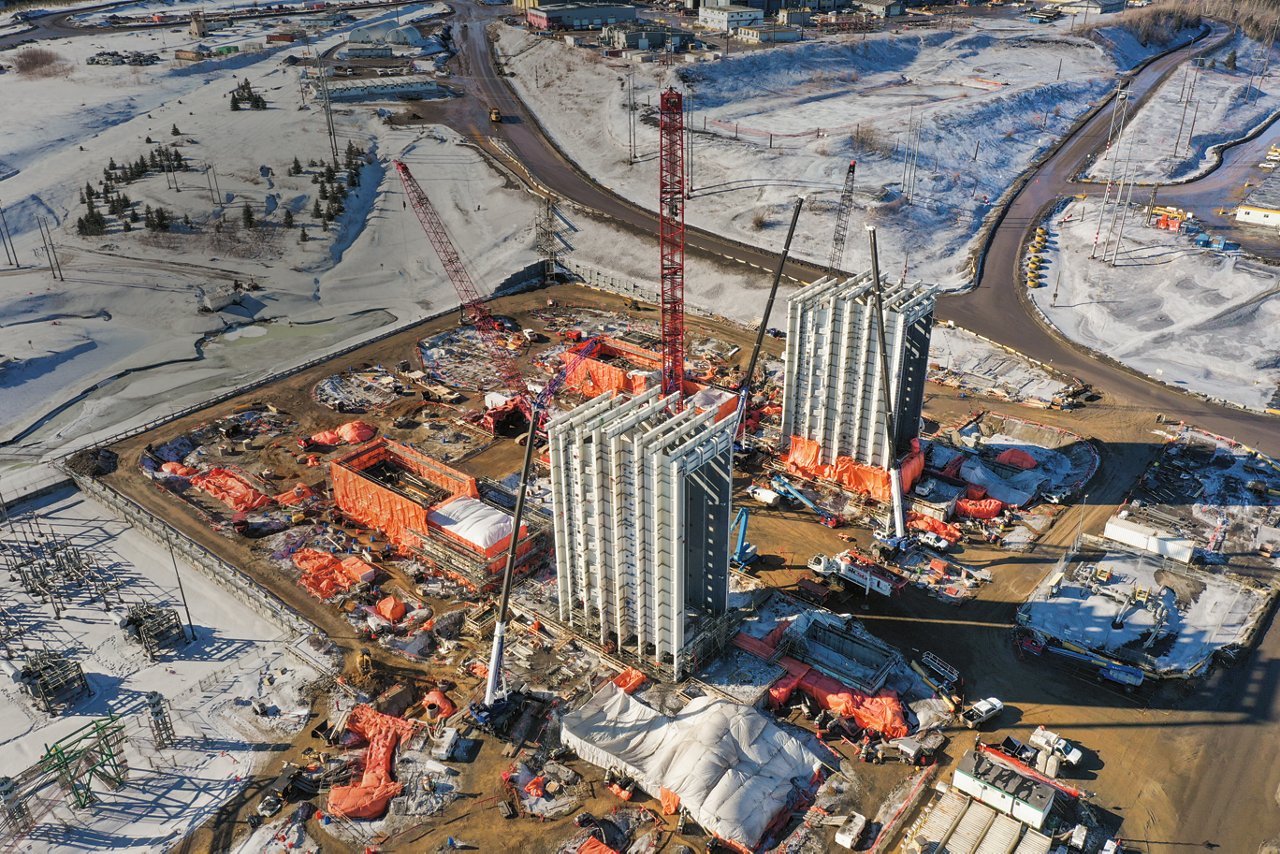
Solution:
(881, 712)
(438, 706)
(300, 493)
(920, 522)
(178, 469)
(805, 458)
(629, 680)
(322, 573)
(594, 846)
(670, 801)
(1018, 458)
(368, 798)
(231, 489)
(988, 508)
(610, 368)
(390, 608)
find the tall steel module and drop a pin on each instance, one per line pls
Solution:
(671, 237)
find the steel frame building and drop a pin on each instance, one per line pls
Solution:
(642, 517)
(832, 388)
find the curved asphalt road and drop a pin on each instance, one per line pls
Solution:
(997, 308)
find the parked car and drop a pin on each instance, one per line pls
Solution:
(933, 541)
(1055, 744)
(981, 712)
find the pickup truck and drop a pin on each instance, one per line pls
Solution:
(1056, 744)
(981, 712)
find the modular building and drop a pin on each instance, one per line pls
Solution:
(728, 18)
(578, 16)
(642, 497)
(761, 33)
(645, 36)
(1002, 786)
(882, 10)
(1262, 206)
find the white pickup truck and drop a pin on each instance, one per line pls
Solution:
(1055, 744)
(981, 711)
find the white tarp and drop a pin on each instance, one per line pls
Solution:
(973, 471)
(473, 521)
(732, 766)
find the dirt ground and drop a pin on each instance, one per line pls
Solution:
(1155, 761)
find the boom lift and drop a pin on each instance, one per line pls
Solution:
(744, 554)
(785, 488)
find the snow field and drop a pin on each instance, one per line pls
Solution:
(1198, 319)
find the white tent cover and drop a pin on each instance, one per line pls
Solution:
(732, 766)
(473, 521)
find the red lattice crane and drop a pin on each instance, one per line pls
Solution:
(473, 307)
(671, 236)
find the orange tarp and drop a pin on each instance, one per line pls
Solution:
(178, 469)
(300, 493)
(1017, 457)
(594, 846)
(351, 433)
(670, 801)
(231, 489)
(805, 458)
(986, 509)
(629, 680)
(920, 522)
(536, 787)
(358, 570)
(368, 798)
(881, 712)
(322, 573)
(444, 707)
(390, 608)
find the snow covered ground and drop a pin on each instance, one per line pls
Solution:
(1173, 136)
(958, 357)
(237, 657)
(773, 124)
(1202, 320)
(131, 302)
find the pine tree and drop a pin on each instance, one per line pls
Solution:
(127, 226)
(133, 215)
(235, 102)
(246, 216)
(174, 131)
(80, 227)
(149, 218)
(1230, 62)
(353, 178)
(88, 191)
(162, 219)
(302, 237)
(112, 164)
(297, 166)
(288, 218)
(186, 220)
(315, 210)
(329, 174)
(324, 190)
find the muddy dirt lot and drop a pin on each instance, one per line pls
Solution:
(1184, 767)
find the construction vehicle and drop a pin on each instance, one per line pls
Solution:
(784, 488)
(744, 553)
(1055, 744)
(852, 569)
(495, 116)
(981, 712)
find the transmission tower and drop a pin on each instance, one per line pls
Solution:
(671, 236)
(842, 220)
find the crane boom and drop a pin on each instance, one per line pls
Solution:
(671, 237)
(473, 307)
(842, 220)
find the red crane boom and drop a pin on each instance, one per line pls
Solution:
(473, 307)
(671, 237)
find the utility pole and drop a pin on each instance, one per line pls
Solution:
(181, 593)
(631, 113)
(1151, 205)
(328, 110)
(6, 239)
(1174, 151)
(1124, 218)
(1195, 114)
(53, 249)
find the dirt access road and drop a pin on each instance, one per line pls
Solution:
(996, 308)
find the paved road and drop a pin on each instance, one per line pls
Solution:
(994, 309)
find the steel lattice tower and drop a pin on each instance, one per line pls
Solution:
(671, 237)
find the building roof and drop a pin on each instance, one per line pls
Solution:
(1267, 196)
(769, 28)
(983, 768)
(732, 8)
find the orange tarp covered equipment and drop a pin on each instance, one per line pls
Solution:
(178, 469)
(300, 493)
(1017, 457)
(358, 570)
(390, 608)
(368, 797)
(629, 680)
(537, 787)
(805, 458)
(357, 432)
(881, 712)
(988, 508)
(231, 489)
(322, 573)
(438, 706)
(670, 801)
(594, 846)
(921, 522)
